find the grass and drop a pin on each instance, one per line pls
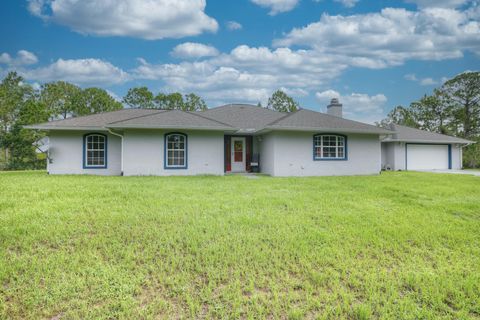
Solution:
(398, 245)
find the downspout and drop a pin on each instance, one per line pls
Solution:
(121, 151)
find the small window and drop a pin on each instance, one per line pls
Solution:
(95, 151)
(329, 147)
(175, 151)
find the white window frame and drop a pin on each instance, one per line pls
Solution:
(87, 150)
(168, 149)
(319, 143)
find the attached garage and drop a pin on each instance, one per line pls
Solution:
(428, 156)
(414, 149)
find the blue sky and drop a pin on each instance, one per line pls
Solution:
(373, 55)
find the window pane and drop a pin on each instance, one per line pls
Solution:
(95, 150)
(238, 146)
(329, 152)
(329, 146)
(175, 150)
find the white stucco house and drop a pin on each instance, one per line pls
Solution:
(240, 138)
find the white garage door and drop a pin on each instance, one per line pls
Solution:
(427, 157)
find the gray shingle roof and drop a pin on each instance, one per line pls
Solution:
(171, 119)
(307, 120)
(239, 118)
(245, 117)
(94, 121)
(407, 134)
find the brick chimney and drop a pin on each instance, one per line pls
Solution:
(335, 108)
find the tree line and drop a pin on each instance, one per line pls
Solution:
(142, 97)
(23, 104)
(452, 109)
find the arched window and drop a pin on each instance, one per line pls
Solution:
(95, 151)
(175, 151)
(329, 147)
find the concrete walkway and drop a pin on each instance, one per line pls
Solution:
(471, 172)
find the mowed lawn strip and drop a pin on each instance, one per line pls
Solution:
(398, 245)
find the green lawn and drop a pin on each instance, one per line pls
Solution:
(398, 245)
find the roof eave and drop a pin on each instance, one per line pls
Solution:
(429, 141)
(64, 128)
(172, 127)
(319, 129)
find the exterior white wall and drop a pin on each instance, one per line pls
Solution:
(66, 152)
(457, 161)
(144, 153)
(395, 155)
(281, 154)
(266, 149)
(399, 154)
(293, 156)
(384, 155)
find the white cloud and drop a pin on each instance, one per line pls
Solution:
(246, 74)
(390, 37)
(276, 6)
(234, 25)
(424, 81)
(348, 3)
(319, 53)
(193, 50)
(358, 106)
(428, 82)
(153, 19)
(439, 3)
(410, 77)
(297, 92)
(80, 71)
(23, 58)
(5, 58)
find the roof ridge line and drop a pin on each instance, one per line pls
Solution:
(285, 116)
(204, 117)
(142, 116)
